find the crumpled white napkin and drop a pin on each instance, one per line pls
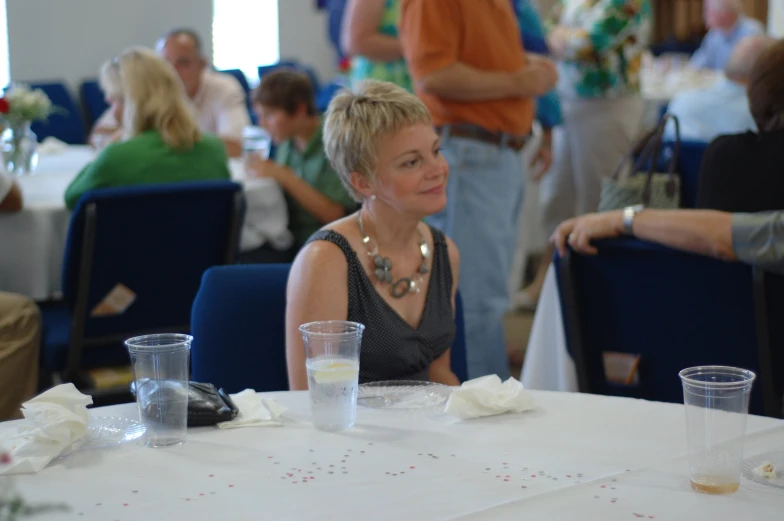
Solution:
(255, 411)
(54, 420)
(487, 396)
(52, 146)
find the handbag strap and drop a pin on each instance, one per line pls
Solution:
(644, 146)
(658, 138)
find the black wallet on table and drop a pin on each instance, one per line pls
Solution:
(206, 404)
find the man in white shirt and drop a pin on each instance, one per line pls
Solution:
(727, 26)
(723, 107)
(20, 330)
(218, 99)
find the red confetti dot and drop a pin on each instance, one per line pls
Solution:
(201, 493)
(604, 486)
(412, 467)
(613, 501)
(506, 480)
(212, 475)
(269, 457)
(568, 475)
(650, 517)
(523, 486)
(231, 486)
(507, 476)
(294, 482)
(628, 470)
(125, 504)
(5, 458)
(533, 475)
(498, 476)
(504, 463)
(312, 477)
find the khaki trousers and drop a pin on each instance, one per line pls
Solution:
(20, 346)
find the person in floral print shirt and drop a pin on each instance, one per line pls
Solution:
(599, 46)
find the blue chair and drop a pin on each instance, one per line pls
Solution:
(239, 328)
(689, 163)
(458, 357)
(67, 126)
(674, 309)
(325, 95)
(239, 332)
(157, 240)
(93, 100)
(283, 64)
(769, 308)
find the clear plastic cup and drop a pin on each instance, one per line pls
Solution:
(332, 351)
(717, 405)
(256, 140)
(160, 371)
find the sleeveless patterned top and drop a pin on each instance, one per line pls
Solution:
(391, 348)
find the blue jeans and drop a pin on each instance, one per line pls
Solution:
(484, 196)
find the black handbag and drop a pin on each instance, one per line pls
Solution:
(649, 188)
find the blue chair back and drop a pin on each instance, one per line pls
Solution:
(458, 357)
(68, 126)
(93, 100)
(157, 240)
(326, 94)
(239, 328)
(769, 306)
(689, 163)
(283, 64)
(674, 309)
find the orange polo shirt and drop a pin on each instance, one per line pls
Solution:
(479, 33)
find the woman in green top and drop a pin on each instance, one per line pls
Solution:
(161, 140)
(369, 36)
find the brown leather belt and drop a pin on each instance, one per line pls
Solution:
(500, 139)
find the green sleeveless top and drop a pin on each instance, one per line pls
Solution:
(394, 71)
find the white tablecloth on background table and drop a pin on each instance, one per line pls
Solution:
(547, 365)
(32, 242)
(576, 457)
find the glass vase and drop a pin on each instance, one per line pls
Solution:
(19, 147)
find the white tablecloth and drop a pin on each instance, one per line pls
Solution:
(32, 241)
(548, 365)
(577, 457)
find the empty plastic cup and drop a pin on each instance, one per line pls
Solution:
(332, 351)
(160, 371)
(717, 405)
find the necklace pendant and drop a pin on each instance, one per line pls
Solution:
(402, 287)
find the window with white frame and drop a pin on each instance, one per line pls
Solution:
(5, 69)
(245, 35)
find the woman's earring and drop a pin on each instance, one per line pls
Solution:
(373, 197)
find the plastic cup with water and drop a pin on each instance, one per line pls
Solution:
(717, 405)
(160, 371)
(255, 140)
(332, 351)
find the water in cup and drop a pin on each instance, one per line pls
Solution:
(256, 140)
(333, 392)
(332, 363)
(717, 404)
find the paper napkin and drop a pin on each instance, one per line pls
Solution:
(255, 411)
(487, 396)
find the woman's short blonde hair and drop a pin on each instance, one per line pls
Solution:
(109, 79)
(155, 99)
(357, 118)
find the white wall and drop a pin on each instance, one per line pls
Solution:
(304, 36)
(69, 39)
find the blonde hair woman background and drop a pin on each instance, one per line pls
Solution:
(380, 140)
(161, 142)
(108, 128)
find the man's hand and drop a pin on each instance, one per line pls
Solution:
(544, 156)
(536, 78)
(557, 40)
(580, 231)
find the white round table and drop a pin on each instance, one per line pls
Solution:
(575, 457)
(32, 242)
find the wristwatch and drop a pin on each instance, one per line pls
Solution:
(629, 213)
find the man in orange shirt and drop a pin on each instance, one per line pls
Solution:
(469, 68)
